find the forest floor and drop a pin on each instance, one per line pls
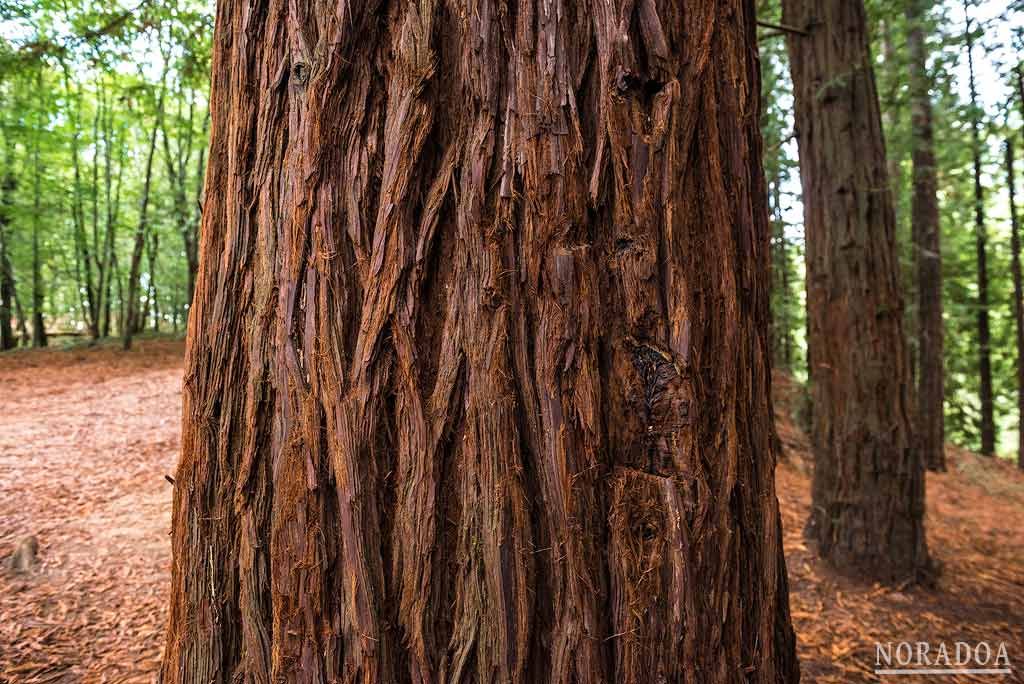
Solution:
(88, 435)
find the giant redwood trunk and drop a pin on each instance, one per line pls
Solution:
(868, 485)
(927, 248)
(477, 379)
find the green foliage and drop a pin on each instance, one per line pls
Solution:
(788, 303)
(998, 50)
(83, 84)
(79, 86)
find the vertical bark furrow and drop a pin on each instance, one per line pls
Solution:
(651, 583)
(220, 589)
(557, 275)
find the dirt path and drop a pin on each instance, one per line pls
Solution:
(86, 438)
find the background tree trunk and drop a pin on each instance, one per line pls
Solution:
(1018, 287)
(133, 323)
(7, 283)
(782, 327)
(1018, 296)
(83, 254)
(988, 424)
(928, 248)
(868, 486)
(39, 338)
(176, 160)
(477, 380)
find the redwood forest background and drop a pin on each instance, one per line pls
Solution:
(104, 111)
(104, 125)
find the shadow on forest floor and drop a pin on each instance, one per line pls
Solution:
(88, 434)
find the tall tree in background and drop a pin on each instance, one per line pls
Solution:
(106, 222)
(927, 243)
(868, 485)
(84, 280)
(477, 381)
(1018, 295)
(7, 284)
(1018, 285)
(70, 91)
(178, 134)
(39, 338)
(988, 424)
(776, 131)
(133, 315)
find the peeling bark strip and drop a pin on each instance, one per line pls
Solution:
(868, 486)
(477, 384)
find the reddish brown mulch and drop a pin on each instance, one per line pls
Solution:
(975, 530)
(86, 437)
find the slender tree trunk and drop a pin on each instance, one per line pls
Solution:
(105, 318)
(781, 325)
(132, 324)
(988, 424)
(121, 312)
(928, 248)
(110, 223)
(7, 282)
(98, 252)
(152, 301)
(38, 324)
(7, 285)
(478, 375)
(83, 254)
(1018, 289)
(19, 314)
(868, 486)
(1018, 296)
(177, 162)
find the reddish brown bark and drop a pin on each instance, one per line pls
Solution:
(927, 248)
(868, 487)
(477, 380)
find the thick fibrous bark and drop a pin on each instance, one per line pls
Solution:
(868, 487)
(927, 248)
(477, 381)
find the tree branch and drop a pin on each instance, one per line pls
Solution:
(782, 28)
